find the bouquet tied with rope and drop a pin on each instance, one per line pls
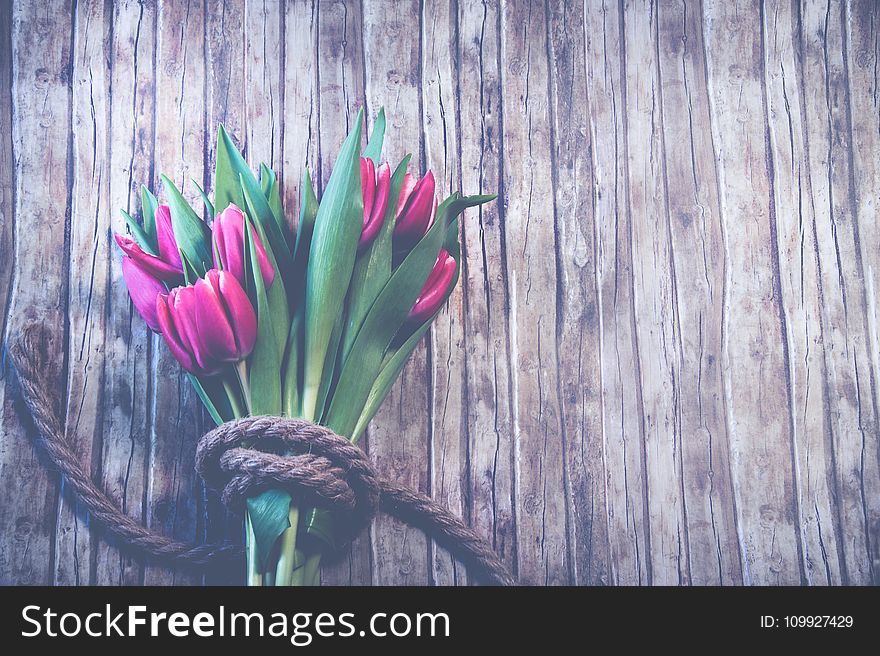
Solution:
(313, 324)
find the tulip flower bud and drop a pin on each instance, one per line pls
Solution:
(209, 323)
(228, 232)
(144, 289)
(167, 266)
(415, 210)
(375, 190)
(434, 291)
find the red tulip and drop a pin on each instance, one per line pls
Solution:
(434, 291)
(375, 190)
(167, 266)
(209, 323)
(229, 241)
(415, 210)
(144, 289)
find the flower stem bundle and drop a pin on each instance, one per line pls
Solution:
(314, 323)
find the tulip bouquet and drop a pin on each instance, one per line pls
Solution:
(314, 322)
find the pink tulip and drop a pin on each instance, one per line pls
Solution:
(209, 323)
(144, 289)
(434, 291)
(415, 210)
(167, 266)
(375, 190)
(229, 240)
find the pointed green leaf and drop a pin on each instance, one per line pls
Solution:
(267, 179)
(305, 228)
(268, 513)
(264, 372)
(192, 235)
(329, 365)
(230, 165)
(261, 214)
(208, 204)
(331, 260)
(373, 150)
(138, 233)
(149, 204)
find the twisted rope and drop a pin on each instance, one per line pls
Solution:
(330, 472)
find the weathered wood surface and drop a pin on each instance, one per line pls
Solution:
(662, 363)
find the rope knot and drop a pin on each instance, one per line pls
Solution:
(248, 456)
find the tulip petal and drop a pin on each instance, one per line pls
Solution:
(368, 186)
(143, 288)
(167, 243)
(241, 313)
(216, 340)
(171, 335)
(435, 289)
(150, 263)
(413, 221)
(228, 233)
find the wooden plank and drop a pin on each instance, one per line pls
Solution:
(7, 176)
(697, 276)
(657, 332)
(850, 384)
(862, 43)
(88, 277)
(754, 353)
(41, 51)
(801, 298)
(489, 417)
(263, 68)
(300, 81)
(622, 421)
(447, 423)
(530, 242)
(577, 329)
(340, 80)
(173, 492)
(399, 434)
(126, 412)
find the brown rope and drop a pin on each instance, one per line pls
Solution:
(331, 472)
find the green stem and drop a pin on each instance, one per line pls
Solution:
(254, 577)
(241, 373)
(232, 395)
(312, 570)
(287, 561)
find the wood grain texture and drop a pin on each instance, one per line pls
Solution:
(662, 362)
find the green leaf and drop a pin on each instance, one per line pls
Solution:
(329, 365)
(331, 260)
(262, 215)
(373, 150)
(305, 229)
(149, 204)
(269, 519)
(138, 233)
(385, 318)
(210, 406)
(273, 195)
(292, 373)
(373, 266)
(267, 179)
(208, 204)
(264, 371)
(276, 294)
(192, 235)
(395, 359)
(230, 165)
